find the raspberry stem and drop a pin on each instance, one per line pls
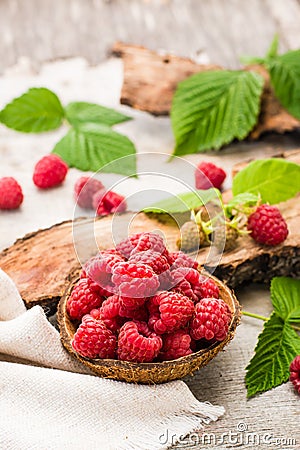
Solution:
(257, 316)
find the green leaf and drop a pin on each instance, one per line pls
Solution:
(273, 49)
(277, 346)
(79, 112)
(184, 202)
(285, 294)
(35, 111)
(285, 78)
(275, 179)
(244, 199)
(97, 148)
(211, 109)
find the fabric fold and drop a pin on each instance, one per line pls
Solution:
(63, 406)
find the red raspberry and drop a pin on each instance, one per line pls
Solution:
(134, 280)
(109, 313)
(83, 299)
(156, 261)
(93, 340)
(11, 195)
(169, 311)
(100, 268)
(49, 171)
(150, 241)
(208, 288)
(267, 225)
(84, 189)
(137, 343)
(132, 302)
(208, 175)
(180, 259)
(211, 320)
(195, 286)
(140, 313)
(108, 203)
(126, 246)
(295, 373)
(175, 345)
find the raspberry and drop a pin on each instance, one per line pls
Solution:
(208, 175)
(191, 237)
(100, 268)
(195, 286)
(225, 237)
(11, 195)
(93, 340)
(126, 246)
(108, 203)
(82, 300)
(211, 320)
(109, 313)
(49, 171)
(137, 343)
(295, 373)
(156, 261)
(134, 280)
(150, 241)
(132, 302)
(140, 313)
(175, 345)
(84, 189)
(180, 259)
(267, 225)
(208, 288)
(169, 311)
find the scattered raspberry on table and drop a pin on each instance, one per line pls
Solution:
(295, 373)
(208, 175)
(11, 195)
(49, 171)
(84, 190)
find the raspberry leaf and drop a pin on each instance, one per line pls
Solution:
(187, 201)
(277, 346)
(81, 112)
(285, 78)
(38, 110)
(212, 108)
(285, 295)
(97, 148)
(274, 179)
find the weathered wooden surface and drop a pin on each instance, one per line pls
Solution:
(218, 30)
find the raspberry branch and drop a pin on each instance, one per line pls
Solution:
(265, 319)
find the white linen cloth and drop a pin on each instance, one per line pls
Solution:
(61, 405)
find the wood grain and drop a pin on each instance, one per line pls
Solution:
(209, 31)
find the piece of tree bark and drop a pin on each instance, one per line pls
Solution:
(40, 264)
(150, 80)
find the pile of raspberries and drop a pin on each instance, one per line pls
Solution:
(141, 303)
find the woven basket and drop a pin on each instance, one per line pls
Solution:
(147, 373)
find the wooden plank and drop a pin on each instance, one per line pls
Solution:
(210, 31)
